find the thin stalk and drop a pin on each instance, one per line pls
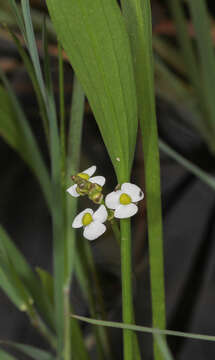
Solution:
(67, 322)
(42, 328)
(126, 273)
(116, 231)
(62, 113)
(99, 297)
(195, 170)
(72, 166)
(139, 27)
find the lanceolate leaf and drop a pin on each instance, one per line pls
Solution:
(94, 37)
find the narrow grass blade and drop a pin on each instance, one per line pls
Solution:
(73, 161)
(201, 81)
(185, 42)
(62, 114)
(31, 351)
(30, 69)
(72, 330)
(163, 347)
(195, 170)
(31, 44)
(201, 22)
(5, 356)
(47, 283)
(138, 20)
(169, 54)
(86, 274)
(79, 350)
(94, 37)
(11, 292)
(57, 197)
(28, 277)
(24, 141)
(18, 17)
(145, 329)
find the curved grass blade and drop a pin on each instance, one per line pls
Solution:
(25, 273)
(30, 69)
(31, 351)
(20, 136)
(138, 20)
(201, 22)
(145, 329)
(195, 170)
(56, 188)
(94, 37)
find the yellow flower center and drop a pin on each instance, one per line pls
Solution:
(124, 199)
(87, 219)
(83, 176)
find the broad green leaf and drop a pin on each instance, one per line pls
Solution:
(145, 329)
(5, 356)
(138, 20)
(94, 37)
(33, 352)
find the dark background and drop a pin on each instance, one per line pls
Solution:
(188, 213)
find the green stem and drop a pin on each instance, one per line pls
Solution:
(67, 322)
(62, 114)
(116, 231)
(126, 269)
(42, 328)
(103, 333)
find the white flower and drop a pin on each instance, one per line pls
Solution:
(86, 174)
(92, 222)
(123, 200)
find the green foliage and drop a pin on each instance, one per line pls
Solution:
(31, 351)
(98, 58)
(138, 19)
(5, 356)
(23, 286)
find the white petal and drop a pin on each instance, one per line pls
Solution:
(100, 214)
(72, 190)
(112, 199)
(90, 171)
(100, 180)
(94, 230)
(133, 191)
(77, 222)
(125, 211)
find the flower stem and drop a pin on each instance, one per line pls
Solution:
(67, 329)
(127, 302)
